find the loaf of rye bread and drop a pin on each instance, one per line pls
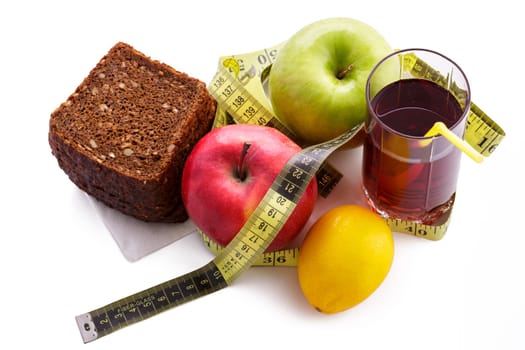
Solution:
(124, 134)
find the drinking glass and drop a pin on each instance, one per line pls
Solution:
(407, 175)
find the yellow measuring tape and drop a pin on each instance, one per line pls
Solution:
(482, 133)
(239, 89)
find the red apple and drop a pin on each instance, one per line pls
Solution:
(227, 174)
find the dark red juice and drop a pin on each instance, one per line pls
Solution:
(404, 176)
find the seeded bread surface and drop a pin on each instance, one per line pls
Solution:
(124, 134)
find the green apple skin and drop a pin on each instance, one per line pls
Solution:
(304, 88)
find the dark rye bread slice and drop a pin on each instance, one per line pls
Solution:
(124, 134)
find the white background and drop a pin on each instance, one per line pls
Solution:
(58, 260)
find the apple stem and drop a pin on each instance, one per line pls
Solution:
(342, 73)
(241, 172)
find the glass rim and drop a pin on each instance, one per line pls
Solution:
(466, 108)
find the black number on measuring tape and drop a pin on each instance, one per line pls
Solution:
(281, 200)
(288, 190)
(254, 238)
(323, 179)
(101, 323)
(281, 259)
(489, 147)
(218, 82)
(262, 121)
(267, 57)
(239, 101)
(263, 226)
(146, 307)
(262, 59)
(272, 213)
(249, 112)
(268, 259)
(160, 299)
(228, 91)
(307, 162)
(188, 287)
(416, 231)
(298, 173)
(132, 313)
(116, 317)
(174, 294)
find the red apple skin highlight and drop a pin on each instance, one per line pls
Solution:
(219, 202)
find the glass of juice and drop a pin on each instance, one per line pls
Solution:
(406, 175)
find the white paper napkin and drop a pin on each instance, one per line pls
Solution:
(137, 238)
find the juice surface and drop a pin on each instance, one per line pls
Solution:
(401, 177)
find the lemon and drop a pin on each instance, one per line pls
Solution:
(344, 257)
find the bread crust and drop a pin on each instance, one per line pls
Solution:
(124, 134)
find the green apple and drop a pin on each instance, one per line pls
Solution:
(317, 82)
